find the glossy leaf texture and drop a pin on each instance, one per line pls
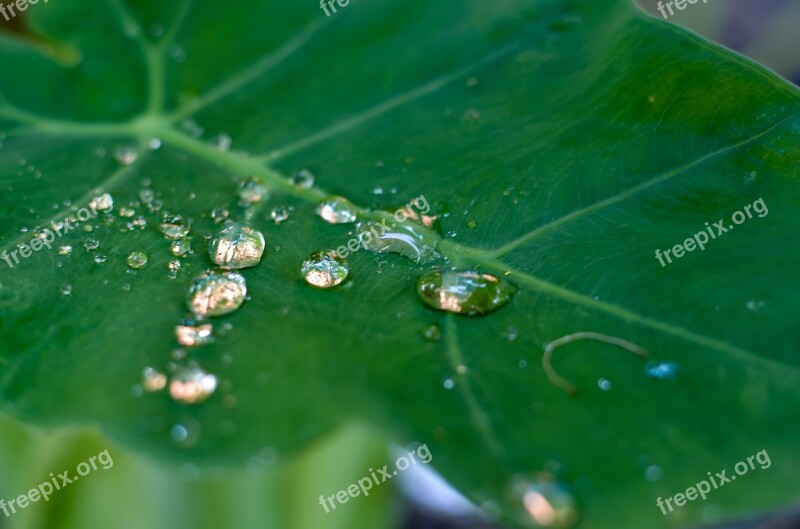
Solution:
(560, 143)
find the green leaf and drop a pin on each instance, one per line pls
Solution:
(560, 142)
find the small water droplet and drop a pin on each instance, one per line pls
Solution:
(471, 116)
(604, 384)
(661, 370)
(176, 52)
(511, 334)
(472, 224)
(303, 179)
(192, 385)
(191, 127)
(216, 294)
(337, 210)
(653, 473)
(126, 212)
(103, 203)
(91, 244)
(153, 380)
(755, 306)
(66, 289)
(448, 383)
(126, 154)
(546, 502)
(154, 144)
(432, 333)
(100, 258)
(221, 142)
(219, 215)
(174, 226)
(185, 434)
(237, 246)
(180, 247)
(156, 29)
(137, 260)
(463, 292)
(192, 334)
(252, 190)
(324, 269)
(280, 215)
(65, 250)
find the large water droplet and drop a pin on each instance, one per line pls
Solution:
(337, 210)
(216, 294)
(408, 239)
(464, 292)
(174, 226)
(546, 502)
(193, 334)
(324, 269)
(192, 385)
(137, 260)
(237, 246)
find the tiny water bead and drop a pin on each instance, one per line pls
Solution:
(192, 385)
(103, 203)
(237, 246)
(408, 239)
(191, 333)
(153, 380)
(217, 294)
(303, 179)
(65, 250)
(252, 190)
(324, 269)
(222, 142)
(137, 260)
(180, 247)
(100, 258)
(464, 292)
(174, 226)
(432, 333)
(66, 289)
(91, 244)
(280, 215)
(337, 210)
(661, 370)
(126, 154)
(546, 502)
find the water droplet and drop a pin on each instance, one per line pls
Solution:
(192, 334)
(464, 292)
(216, 294)
(471, 116)
(156, 29)
(337, 210)
(432, 333)
(661, 370)
(303, 179)
(192, 385)
(324, 269)
(174, 226)
(137, 260)
(546, 502)
(66, 289)
(126, 154)
(252, 190)
(91, 244)
(220, 215)
(755, 306)
(152, 380)
(237, 246)
(472, 224)
(191, 127)
(176, 52)
(139, 223)
(448, 383)
(154, 144)
(221, 142)
(103, 203)
(279, 215)
(185, 434)
(65, 250)
(180, 247)
(511, 334)
(653, 473)
(604, 384)
(100, 258)
(126, 212)
(408, 239)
